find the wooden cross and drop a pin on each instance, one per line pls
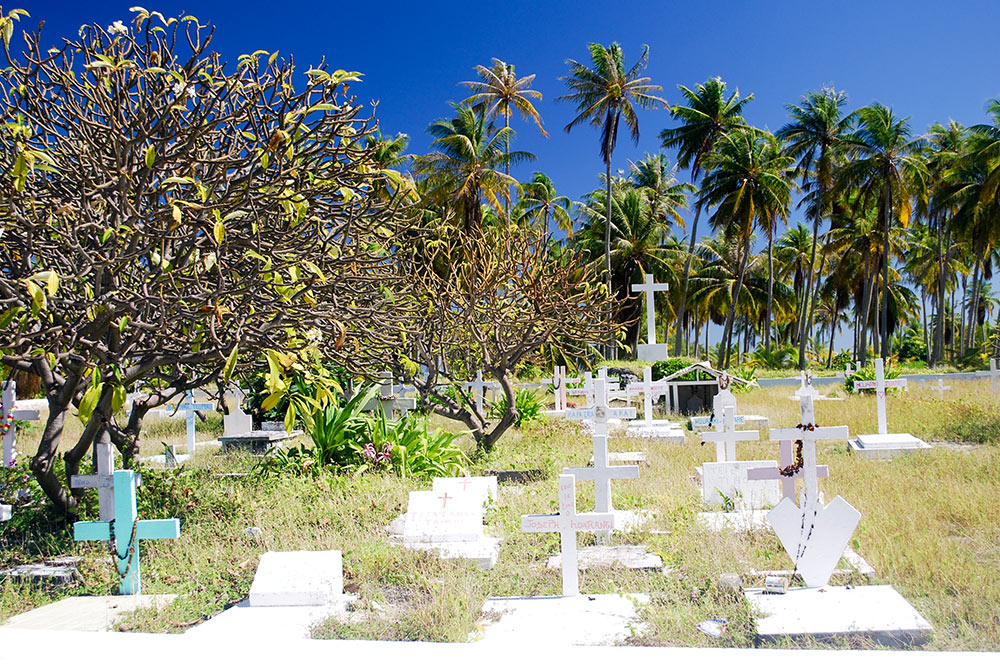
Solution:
(567, 523)
(725, 441)
(480, 386)
(880, 384)
(190, 407)
(940, 388)
(650, 288)
(649, 390)
(127, 530)
(10, 414)
(809, 437)
(786, 459)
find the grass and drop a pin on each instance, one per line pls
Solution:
(930, 527)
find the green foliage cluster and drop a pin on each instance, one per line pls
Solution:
(345, 438)
(529, 406)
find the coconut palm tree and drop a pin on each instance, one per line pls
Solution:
(605, 94)
(793, 251)
(666, 196)
(813, 137)
(884, 167)
(540, 203)
(708, 115)
(750, 184)
(465, 168)
(499, 93)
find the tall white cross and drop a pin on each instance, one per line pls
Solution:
(600, 413)
(190, 407)
(786, 461)
(479, 386)
(650, 288)
(567, 523)
(558, 383)
(725, 441)
(940, 388)
(8, 426)
(650, 390)
(880, 384)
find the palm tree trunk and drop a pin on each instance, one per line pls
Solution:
(833, 331)
(687, 275)
(866, 302)
(808, 300)
(923, 311)
(607, 234)
(974, 306)
(770, 287)
(887, 218)
(506, 165)
(731, 316)
(939, 323)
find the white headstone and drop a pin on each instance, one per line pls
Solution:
(297, 578)
(439, 516)
(567, 523)
(237, 421)
(482, 487)
(651, 391)
(189, 407)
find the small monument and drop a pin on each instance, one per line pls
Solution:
(188, 406)
(884, 444)
(236, 421)
(652, 428)
(450, 523)
(126, 532)
(650, 352)
(726, 478)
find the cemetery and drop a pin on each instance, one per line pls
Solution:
(290, 398)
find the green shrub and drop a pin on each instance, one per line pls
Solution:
(529, 407)
(867, 373)
(662, 368)
(413, 450)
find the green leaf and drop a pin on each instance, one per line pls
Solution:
(37, 297)
(89, 402)
(52, 283)
(227, 372)
(8, 316)
(290, 417)
(150, 156)
(219, 231)
(118, 398)
(272, 400)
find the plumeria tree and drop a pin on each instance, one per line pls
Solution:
(168, 219)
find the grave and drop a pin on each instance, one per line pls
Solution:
(559, 381)
(236, 421)
(483, 488)
(10, 415)
(884, 444)
(630, 557)
(297, 578)
(725, 480)
(723, 398)
(81, 613)
(940, 388)
(806, 388)
(388, 401)
(449, 524)
(189, 407)
(650, 428)
(103, 480)
(690, 396)
(650, 352)
(601, 473)
(127, 547)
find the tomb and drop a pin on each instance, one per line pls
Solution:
(692, 388)
(649, 427)
(450, 524)
(482, 487)
(884, 444)
(725, 481)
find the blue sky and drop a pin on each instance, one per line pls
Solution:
(931, 61)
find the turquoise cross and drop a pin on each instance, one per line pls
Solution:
(127, 530)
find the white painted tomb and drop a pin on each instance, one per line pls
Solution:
(651, 351)
(567, 523)
(483, 488)
(726, 478)
(878, 613)
(884, 444)
(8, 422)
(451, 524)
(237, 421)
(813, 535)
(297, 578)
(630, 557)
(650, 428)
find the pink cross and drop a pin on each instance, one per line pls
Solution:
(787, 482)
(444, 499)
(465, 482)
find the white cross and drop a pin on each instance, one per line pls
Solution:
(880, 384)
(567, 523)
(940, 388)
(103, 480)
(649, 390)
(785, 459)
(479, 386)
(588, 389)
(725, 441)
(601, 412)
(809, 437)
(558, 383)
(11, 414)
(650, 288)
(190, 406)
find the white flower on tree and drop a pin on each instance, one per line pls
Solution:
(117, 28)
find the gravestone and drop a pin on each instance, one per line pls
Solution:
(806, 388)
(297, 578)
(478, 388)
(884, 444)
(8, 423)
(388, 401)
(5, 512)
(236, 421)
(127, 531)
(651, 428)
(725, 479)
(484, 488)
(559, 381)
(103, 480)
(451, 524)
(786, 471)
(651, 351)
(567, 523)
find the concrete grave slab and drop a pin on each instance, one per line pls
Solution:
(483, 551)
(625, 458)
(564, 621)
(730, 479)
(741, 521)
(435, 517)
(42, 573)
(244, 622)
(668, 433)
(876, 446)
(86, 613)
(631, 557)
(297, 578)
(878, 613)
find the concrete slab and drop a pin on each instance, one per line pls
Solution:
(742, 521)
(877, 613)
(557, 621)
(162, 459)
(631, 557)
(42, 573)
(729, 480)
(86, 613)
(297, 578)
(669, 433)
(876, 446)
(483, 552)
(244, 621)
(484, 487)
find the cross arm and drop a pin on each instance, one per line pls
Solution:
(25, 414)
(158, 529)
(794, 433)
(593, 473)
(91, 531)
(540, 523)
(735, 435)
(92, 482)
